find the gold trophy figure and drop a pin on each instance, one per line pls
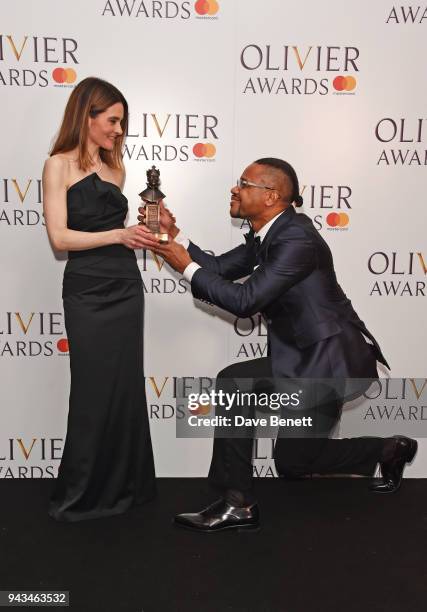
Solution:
(151, 198)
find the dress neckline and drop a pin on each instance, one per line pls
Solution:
(98, 177)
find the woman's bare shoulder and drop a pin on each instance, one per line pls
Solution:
(118, 176)
(59, 161)
(57, 166)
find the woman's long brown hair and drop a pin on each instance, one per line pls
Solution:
(91, 97)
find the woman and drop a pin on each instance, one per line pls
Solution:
(107, 463)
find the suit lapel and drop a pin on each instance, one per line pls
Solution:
(275, 229)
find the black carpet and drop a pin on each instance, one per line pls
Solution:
(326, 545)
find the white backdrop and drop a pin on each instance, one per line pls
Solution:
(334, 87)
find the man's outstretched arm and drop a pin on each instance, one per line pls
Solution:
(234, 264)
(289, 260)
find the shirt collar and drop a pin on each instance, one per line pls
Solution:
(263, 231)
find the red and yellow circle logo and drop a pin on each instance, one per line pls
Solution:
(344, 83)
(206, 7)
(204, 150)
(64, 75)
(62, 345)
(337, 219)
(201, 409)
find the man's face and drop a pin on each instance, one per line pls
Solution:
(249, 202)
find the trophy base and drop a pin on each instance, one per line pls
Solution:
(162, 238)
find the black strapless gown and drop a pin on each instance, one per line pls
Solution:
(107, 464)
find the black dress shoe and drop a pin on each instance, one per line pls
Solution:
(220, 516)
(392, 469)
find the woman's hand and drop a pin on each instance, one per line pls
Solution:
(138, 237)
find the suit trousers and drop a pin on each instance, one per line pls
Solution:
(231, 465)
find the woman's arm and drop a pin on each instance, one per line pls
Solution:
(55, 174)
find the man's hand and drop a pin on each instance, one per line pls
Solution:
(175, 254)
(167, 220)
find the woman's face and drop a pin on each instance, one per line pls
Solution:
(105, 127)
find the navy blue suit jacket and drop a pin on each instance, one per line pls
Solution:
(294, 287)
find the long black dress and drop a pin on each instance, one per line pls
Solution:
(107, 463)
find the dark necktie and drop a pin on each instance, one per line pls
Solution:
(253, 243)
(257, 248)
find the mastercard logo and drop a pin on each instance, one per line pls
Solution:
(337, 219)
(342, 83)
(206, 7)
(62, 345)
(64, 75)
(200, 409)
(204, 150)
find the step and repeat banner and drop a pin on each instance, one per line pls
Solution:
(335, 88)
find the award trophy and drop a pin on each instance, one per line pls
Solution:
(151, 198)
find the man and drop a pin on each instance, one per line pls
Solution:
(313, 333)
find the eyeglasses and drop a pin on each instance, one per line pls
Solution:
(241, 183)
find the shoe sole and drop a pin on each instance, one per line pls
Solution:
(238, 528)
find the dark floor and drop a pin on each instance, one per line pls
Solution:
(325, 546)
